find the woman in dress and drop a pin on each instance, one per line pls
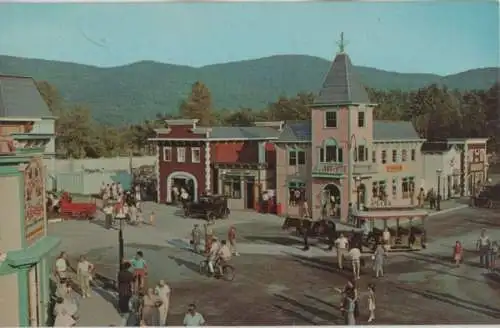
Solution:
(378, 260)
(150, 304)
(371, 302)
(458, 253)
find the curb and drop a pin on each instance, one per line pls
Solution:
(448, 210)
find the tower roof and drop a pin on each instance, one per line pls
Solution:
(341, 85)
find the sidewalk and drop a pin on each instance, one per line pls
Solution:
(99, 310)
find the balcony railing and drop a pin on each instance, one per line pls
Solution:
(330, 169)
(364, 168)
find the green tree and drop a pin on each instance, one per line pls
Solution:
(74, 133)
(50, 95)
(198, 105)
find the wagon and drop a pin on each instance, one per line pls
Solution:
(79, 211)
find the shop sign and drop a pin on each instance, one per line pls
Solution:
(34, 200)
(393, 168)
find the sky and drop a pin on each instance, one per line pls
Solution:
(443, 37)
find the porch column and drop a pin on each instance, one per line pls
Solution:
(208, 176)
(159, 183)
(262, 151)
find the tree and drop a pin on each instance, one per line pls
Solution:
(198, 105)
(50, 95)
(74, 133)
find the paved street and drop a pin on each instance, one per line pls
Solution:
(280, 284)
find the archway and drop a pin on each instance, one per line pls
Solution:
(182, 179)
(332, 200)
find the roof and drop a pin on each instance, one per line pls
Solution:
(436, 147)
(341, 85)
(243, 132)
(20, 98)
(394, 130)
(297, 131)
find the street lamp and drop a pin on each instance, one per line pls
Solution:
(358, 187)
(438, 200)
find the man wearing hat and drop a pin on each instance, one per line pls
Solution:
(212, 254)
(163, 292)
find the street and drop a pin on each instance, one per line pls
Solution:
(277, 283)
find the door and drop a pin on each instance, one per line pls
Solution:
(250, 194)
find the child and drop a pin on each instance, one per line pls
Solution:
(458, 253)
(139, 268)
(152, 218)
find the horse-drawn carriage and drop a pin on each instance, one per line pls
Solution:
(208, 207)
(63, 206)
(488, 197)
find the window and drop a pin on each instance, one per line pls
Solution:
(394, 186)
(301, 156)
(181, 154)
(292, 158)
(167, 154)
(384, 156)
(362, 152)
(331, 153)
(404, 155)
(394, 156)
(195, 155)
(374, 156)
(378, 189)
(413, 155)
(331, 119)
(361, 119)
(408, 187)
(296, 157)
(232, 187)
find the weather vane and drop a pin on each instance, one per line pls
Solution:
(342, 43)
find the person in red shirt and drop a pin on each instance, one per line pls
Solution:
(458, 252)
(231, 236)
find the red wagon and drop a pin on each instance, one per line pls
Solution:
(79, 211)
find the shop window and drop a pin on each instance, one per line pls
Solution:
(361, 119)
(297, 192)
(195, 155)
(413, 155)
(232, 187)
(404, 155)
(379, 189)
(394, 186)
(331, 119)
(394, 156)
(181, 154)
(408, 187)
(384, 156)
(374, 156)
(167, 154)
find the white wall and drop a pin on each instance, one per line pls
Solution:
(106, 164)
(449, 164)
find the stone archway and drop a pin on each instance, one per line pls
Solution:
(181, 175)
(332, 205)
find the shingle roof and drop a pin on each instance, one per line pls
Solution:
(394, 130)
(300, 131)
(19, 97)
(243, 132)
(341, 85)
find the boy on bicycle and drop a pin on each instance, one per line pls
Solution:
(223, 255)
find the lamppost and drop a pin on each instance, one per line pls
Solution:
(120, 216)
(438, 200)
(358, 190)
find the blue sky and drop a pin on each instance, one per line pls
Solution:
(428, 37)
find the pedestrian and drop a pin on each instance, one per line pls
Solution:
(458, 252)
(61, 268)
(355, 255)
(108, 216)
(371, 302)
(493, 252)
(196, 238)
(386, 238)
(163, 292)
(140, 270)
(84, 275)
(305, 233)
(184, 196)
(341, 245)
(231, 236)
(209, 235)
(152, 218)
(125, 287)
(331, 231)
(193, 318)
(150, 305)
(421, 197)
(350, 309)
(305, 207)
(378, 260)
(63, 317)
(483, 245)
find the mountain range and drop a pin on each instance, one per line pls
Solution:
(138, 91)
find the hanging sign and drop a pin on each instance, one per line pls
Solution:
(34, 204)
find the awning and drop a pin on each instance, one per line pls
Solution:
(297, 184)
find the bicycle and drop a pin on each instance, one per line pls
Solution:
(228, 271)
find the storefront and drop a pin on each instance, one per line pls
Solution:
(242, 184)
(24, 244)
